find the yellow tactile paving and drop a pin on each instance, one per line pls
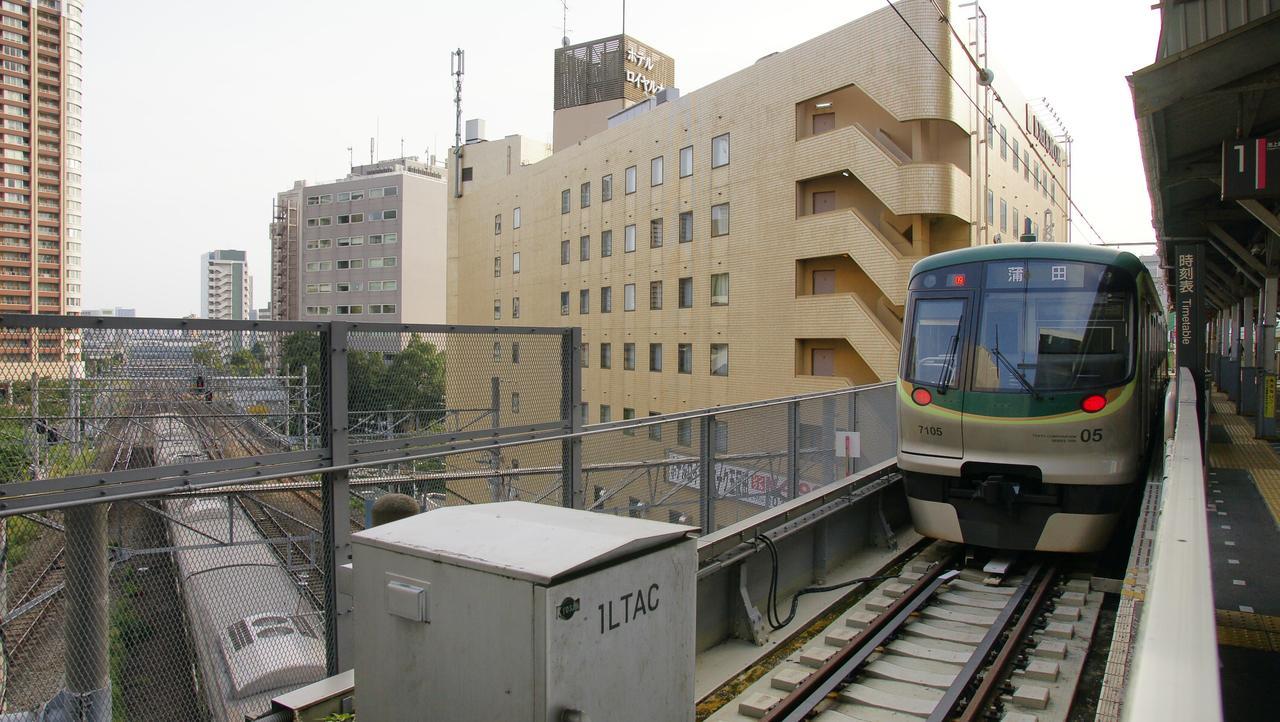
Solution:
(1253, 631)
(1246, 452)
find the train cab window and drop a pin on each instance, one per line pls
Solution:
(1052, 325)
(933, 357)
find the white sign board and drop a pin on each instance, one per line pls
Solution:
(848, 444)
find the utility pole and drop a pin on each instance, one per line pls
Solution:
(457, 67)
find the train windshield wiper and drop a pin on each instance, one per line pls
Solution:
(944, 378)
(995, 351)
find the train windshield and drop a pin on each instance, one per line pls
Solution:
(1052, 326)
(935, 341)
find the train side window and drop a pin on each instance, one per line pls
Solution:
(936, 345)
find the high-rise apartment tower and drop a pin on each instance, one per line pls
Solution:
(40, 211)
(226, 286)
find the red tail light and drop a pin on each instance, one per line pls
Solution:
(1093, 404)
(922, 397)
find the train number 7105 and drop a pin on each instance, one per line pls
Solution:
(930, 430)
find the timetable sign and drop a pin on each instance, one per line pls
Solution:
(1251, 168)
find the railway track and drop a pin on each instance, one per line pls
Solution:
(277, 515)
(937, 643)
(30, 608)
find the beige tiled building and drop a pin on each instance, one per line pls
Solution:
(750, 239)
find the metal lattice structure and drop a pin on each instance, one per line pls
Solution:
(178, 493)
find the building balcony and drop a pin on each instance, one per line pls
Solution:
(905, 188)
(840, 275)
(873, 350)
(904, 236)
(925, 140)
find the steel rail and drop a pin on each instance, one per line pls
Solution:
(804, 698)
(981, 697)
(952, 698)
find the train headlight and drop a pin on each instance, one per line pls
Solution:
(1093, 403)
(922, 397)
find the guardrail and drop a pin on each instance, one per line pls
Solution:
(1175, 674)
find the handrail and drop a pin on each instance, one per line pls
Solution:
(1176, 670)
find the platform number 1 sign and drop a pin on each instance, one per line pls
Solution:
(1251, 168)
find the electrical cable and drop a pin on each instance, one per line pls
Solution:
(771, 602)
(990, 120)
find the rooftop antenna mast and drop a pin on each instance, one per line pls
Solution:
(351, 158)
(457, 62)
(564, 23)
(370, 150)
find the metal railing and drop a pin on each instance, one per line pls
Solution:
(210, 474)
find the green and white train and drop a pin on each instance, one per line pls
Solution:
(1032, 379)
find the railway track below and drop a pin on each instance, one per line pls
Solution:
(938, 642)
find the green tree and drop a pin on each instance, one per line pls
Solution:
(244, 363)
(206, 354)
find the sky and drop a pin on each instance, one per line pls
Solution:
(196, 114)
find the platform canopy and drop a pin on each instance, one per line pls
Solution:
(1208, 111)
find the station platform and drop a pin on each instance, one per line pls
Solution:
(1244, 533)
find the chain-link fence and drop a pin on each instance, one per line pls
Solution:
(176, 494)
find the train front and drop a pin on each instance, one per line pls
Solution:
(1020, 425)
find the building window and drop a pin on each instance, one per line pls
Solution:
(630, 180)
(497, 266)
(564, 303)
(629, 297)
(515, 352)
(584, 248)
(686, 161)
(606, 415)
(720, 150)
(606, 244)
(655, 430)
(497, 350)
(1026, 166)
(719, 359)
(686, 226)
(515, 217)
(627, 415)
(991, 207)
(584, 301)
(1004, 216)
(686, 292)
(467, 174)
(515, 262)
(628, 357)
(515, 307)
(606, 188)
(584, 355)
(564, 252)
(655, 172)
(720, 436)
(684, 432)
(684, 358)
(515, 402)
(720, 220)
(497, 224)
(1015, 155)
(606, 355)
(655, 295)
(606, 299)
(655, 357)
(719, 289)
(584, 195)
(655, 233)
(497, 309)
(1004, 143)
(564, 201)
(629, 239)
